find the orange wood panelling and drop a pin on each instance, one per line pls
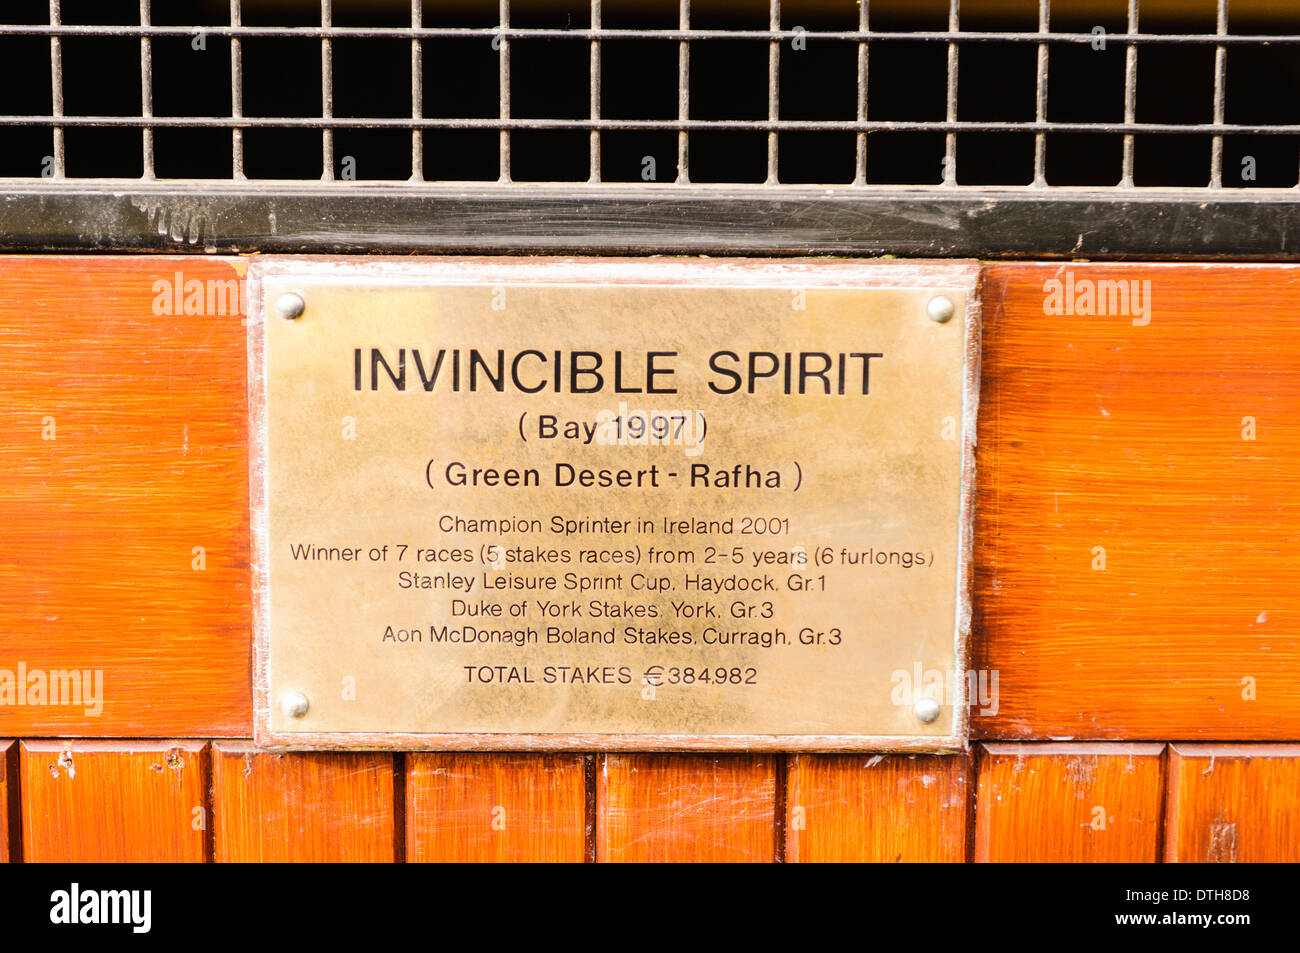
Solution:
(1069, 802)
(1233, 803)
(115, 801)
(1134, 437)
(123, 466)
(686, 808)
(506, 807)
(1096, 435)
(10, 818)
(877, 808)
(314, 806)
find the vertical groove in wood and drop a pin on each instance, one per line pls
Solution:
(10, 806)
(401, 764)
(1162, 829)
(114, 801)
(210, 811)
(972, 802)
(686, 808)
(877, 808)
(310, 806)
(591, 764)
(496, 807)
(780, 834)
(1068, 802)
(124, 494)
(1233, 803)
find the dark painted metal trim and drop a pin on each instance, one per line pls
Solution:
(675, 220)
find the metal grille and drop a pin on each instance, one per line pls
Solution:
(1021, 98)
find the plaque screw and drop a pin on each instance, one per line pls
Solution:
(927, 710)
(294, 704)
(290, 305)
(940, 308)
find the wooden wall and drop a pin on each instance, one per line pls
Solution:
(1099, 801)
(1138, 517)
(1137, 597)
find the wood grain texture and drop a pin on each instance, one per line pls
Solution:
(491, 808)
(1233, 803)
(1093, 432)
(123, 448)
(114, 801)
(317, 807)
(686, 808)
(880, 808)
(10, 817)
(1069, 802)
(1096, 434)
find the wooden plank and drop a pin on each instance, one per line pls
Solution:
(1068, 802)
(1108, 436)
(316, 807)
(10, 816)
(124, 495)
(878, 808)
(114, 801)
(491, 808)
(678, 808)
(1233, 803)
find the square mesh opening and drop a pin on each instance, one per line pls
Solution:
(1096, 94)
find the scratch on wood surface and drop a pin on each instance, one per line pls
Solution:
(1081, 771)
(1223, 843)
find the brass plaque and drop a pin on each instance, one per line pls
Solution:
(639, 504)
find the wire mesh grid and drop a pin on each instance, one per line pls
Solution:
(713, 101)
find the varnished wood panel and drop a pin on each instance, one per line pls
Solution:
(683, 808)
(10, 818)
(1099, 434)
(114, 801)
(1233, 803)
(122, 453)
(1093, 433)
(1069, 802)
(313, 806)
(876, 808)
(485, 808)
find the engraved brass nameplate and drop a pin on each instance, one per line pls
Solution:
(634, 504)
